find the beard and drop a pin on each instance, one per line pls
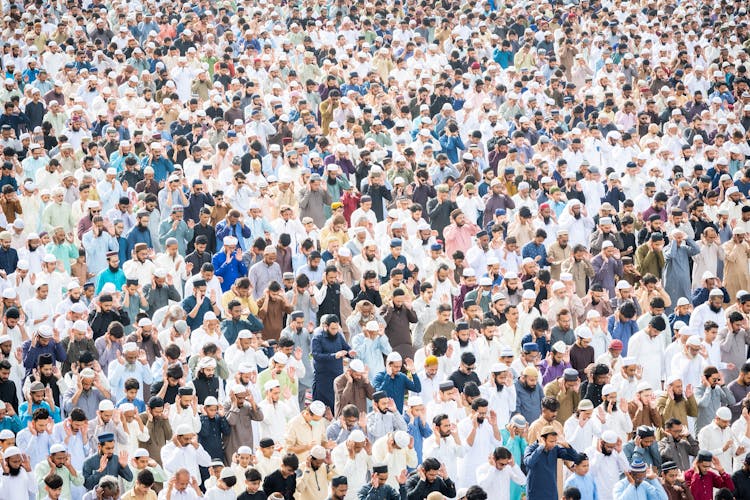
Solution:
(13, 471)
(605, 451)
(678, 397)
(714, 309)
(546, 219)
(577, 215)
(480, 420)
(463, 343)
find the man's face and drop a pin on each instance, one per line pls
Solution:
(107, 449)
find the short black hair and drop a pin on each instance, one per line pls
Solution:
(290, 460)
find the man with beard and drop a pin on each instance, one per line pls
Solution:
(8, 255)
(677, 403)
(200, 249)
(58, 463)
(73, 296)
(398, 315)
(17, 476)
(529, 394)
(678, 445)
(184, 450)
(76, 343)
(106, 311)
(558, 253)
(497, 199)
(157, 426)
(140, 233)
(105, 462)
(158, 292)
(140, 266)
(368, 287)
(607, 463)
(86, 395)
(481, 434)
(576, 221)
(329, 292)
(477, 255)
(384, 417)
(328, 350)
(317, 472)
(111, 274)
(459, 234)
(369, 260)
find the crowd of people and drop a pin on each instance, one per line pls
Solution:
(374, 250)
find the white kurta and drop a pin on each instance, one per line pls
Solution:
(498, 481)
(188, 457)
(606, 470)
(275, 417)
(713, 439)
(649, 351)
(355, 469)
(476, 454)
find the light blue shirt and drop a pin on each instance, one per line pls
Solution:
(585, 485)
(119, 373)
(650, 489)
(96, 250)
(371, 351)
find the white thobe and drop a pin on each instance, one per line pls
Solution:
(649, 351)
(606, 470)
(498, 481)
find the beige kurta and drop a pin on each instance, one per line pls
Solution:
(736, 272)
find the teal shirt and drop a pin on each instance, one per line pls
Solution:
(107, 276)
(517, 447)
(65, 253)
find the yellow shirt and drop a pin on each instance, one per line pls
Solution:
(131, 495)
(300, 433)
(248, 303)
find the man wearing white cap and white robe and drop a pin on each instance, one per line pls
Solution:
(626, 379)
(184, 451)
(131, 363)
(607, 463)
(54, 278)
(38, 309)
(352, 460)
(689, 363)
(718, 438)
(209, 331)
(614, 408)
(276, 411)
(20, 478)
(396, 449)
(133, 426)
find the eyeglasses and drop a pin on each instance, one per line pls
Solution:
(96, 211)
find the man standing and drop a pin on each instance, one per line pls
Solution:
(540, 459)
(328, 350)
(106, 463)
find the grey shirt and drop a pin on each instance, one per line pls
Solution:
(379, 424)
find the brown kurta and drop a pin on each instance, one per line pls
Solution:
(397, 329)
(272, 316)
(568, 401)
(159, 432)
(736, 275)
(669, 408)
(240, 420)
(647, 416)
(556, 255)
(348, 391)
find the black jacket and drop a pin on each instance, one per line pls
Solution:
(418, 489)
(100, 320)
